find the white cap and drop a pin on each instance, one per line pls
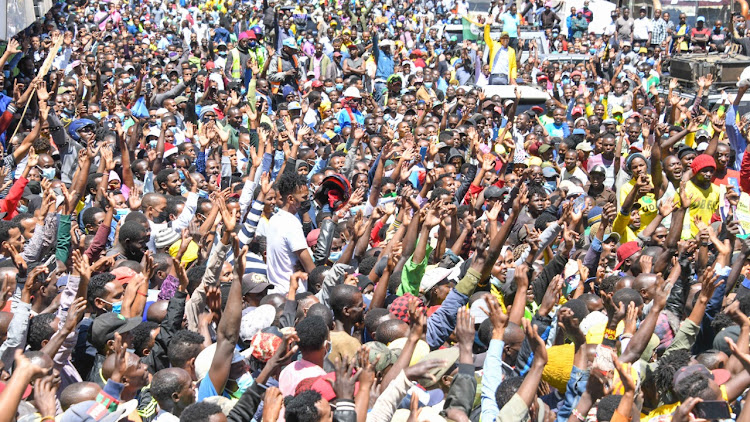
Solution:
(433, 277)
(352, 92)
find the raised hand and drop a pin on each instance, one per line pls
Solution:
(346, 377)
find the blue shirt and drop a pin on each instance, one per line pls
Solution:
(510, 24)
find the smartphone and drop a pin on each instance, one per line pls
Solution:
(51, 264)
(712, 410)
(423, 153)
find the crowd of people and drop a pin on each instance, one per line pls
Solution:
(216, 211)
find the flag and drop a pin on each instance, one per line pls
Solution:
(471, 32)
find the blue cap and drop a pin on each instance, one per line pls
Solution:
(289, 42)
(579, 131)
(549, 172)
(700, 19)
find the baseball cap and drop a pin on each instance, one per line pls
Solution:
(289, 42)
(449, 355)
(494, 192)
(254, 283)
(106, 325)
(294, 105)
(625, 251)
(434, 277)
(544, 148)
(384, 356)
(584, 146)
(598, 169)
(702, 133)
(549, 172)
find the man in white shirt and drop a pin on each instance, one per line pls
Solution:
(286, 243)
(642, 29)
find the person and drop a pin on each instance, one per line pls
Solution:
(288, 247)
(173, 390)
(642, 28)
(699, 36)
(511, 20)
(503, 67)
(625, 25)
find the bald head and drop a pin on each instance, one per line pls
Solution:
(625, 283)
(78, 393)
(157, 311)
(390, 330)
(645, 285)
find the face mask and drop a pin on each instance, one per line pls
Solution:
(48, 173)
(120, 115)
(252, 44)
(340, 87)
(120, 213)
(329, 89)
(116, 307)
(181, 174)
(495, 281)
(335, 256)
(390, 195)
(592, 51)
(161, 217)
(566, 80)
(69, 111)
(22, 208)
(202, 193)
(428, 85)
(223, 53)
(243, 384)
(152, 144)
(641, 74)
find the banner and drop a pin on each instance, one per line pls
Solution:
(15, 16)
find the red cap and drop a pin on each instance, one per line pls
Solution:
(702, 161)
(316, 84)
(251, 35)
(576, 73)
(577, 110)
(625, 251)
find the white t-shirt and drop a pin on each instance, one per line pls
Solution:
(284, 238)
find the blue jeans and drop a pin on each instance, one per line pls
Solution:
(377, 91)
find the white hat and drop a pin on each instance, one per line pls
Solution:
(256, 320)
(433, 277)
(206, 357)
(477, 312)
(352, 92)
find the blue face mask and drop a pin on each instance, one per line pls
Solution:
(152, 144)
(329, 89)
(22, 208)
(340, 87)
(566, 80)
(495, 281)
(120, 213)
(116, 307)
(48, 173)
(592, 51)
(252, 44)
(243, 384)
(428, 85)
(181, 174)
(641, 74)
(202, 193)
(334, 256)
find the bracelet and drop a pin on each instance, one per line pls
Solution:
(578, 415)
(610, 334)
(52, 418)
(625, 335)
(143, 294)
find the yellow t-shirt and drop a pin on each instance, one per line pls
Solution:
(649, 207)
(705, 202)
